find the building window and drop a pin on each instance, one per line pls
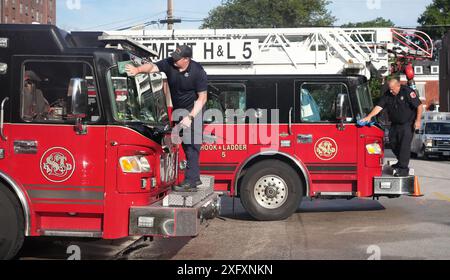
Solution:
(418, 70)
(435, 69)
(421, 90)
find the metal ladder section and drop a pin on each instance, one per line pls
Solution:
(306, 50)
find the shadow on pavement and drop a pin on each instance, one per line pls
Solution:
(57, 248)
(307, 206)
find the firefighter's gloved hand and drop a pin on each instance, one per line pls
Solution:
(362, 123)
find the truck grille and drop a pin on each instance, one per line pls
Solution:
(443, 144)
(168, 167)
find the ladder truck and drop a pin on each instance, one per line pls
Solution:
(289, 103)
(85, 150)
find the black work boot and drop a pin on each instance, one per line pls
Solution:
(401, 172)
(187, 187)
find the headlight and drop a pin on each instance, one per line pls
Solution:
(134, 164)
(428, 143)
(374, 149)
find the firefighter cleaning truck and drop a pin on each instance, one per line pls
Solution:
(290, 101)
(85, 150)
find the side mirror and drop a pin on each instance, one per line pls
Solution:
(3, 68)
(342, 107)
(78, 100)
(157, 82)
(78, 97)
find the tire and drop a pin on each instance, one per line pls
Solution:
(12, 224)
(262, 193)
(422, 154)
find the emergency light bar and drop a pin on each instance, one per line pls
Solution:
(436, 116)
(125, 43)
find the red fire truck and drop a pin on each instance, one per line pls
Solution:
(289, 101)
(85, 151)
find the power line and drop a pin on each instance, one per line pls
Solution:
(130, 20)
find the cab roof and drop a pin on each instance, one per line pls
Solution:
(43, 39)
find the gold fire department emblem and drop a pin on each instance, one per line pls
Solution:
(326, 149)
(57, 165)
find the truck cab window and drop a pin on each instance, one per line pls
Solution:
(229, 99)
(138, 99)
(317, 101)
(43, 96)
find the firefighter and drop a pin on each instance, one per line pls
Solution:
(34, 104)
(405, 112)
(188, 85)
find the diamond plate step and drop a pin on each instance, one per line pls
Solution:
(189, 199)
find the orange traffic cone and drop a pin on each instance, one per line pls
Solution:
(417, 192)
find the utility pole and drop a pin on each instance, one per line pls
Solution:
(170, 20)
(169, 14)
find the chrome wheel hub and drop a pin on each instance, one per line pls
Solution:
(271, 192)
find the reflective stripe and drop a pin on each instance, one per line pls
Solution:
(63, 187)
(68, 202)
(66, 194)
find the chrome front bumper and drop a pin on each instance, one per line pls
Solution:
(178, 214)
(393, 186)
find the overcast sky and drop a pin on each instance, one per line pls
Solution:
(113, 14)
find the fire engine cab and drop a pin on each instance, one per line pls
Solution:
(85, 150)
(285, 105)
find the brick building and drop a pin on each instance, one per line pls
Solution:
(427, 81)
(28, 11)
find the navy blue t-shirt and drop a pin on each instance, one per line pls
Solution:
(184, 86)
(402, 108)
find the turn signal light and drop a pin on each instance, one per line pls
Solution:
(134, 164)
(374, 149)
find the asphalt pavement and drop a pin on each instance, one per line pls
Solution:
(403, 228)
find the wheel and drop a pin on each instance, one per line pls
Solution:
(421, 154)
(12, 224)
(271, 190)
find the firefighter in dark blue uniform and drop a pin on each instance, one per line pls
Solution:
(188, 85)
(405, 112)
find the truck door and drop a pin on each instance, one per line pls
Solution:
(224, 145)
(55, 164)
(328, 150)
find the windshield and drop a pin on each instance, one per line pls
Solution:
(365, 102)
(437, 128)
(137, 99)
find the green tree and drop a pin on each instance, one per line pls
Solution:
(436, 19)
(269, 13)
(378, 22)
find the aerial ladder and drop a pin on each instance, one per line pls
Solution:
(366, 51)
